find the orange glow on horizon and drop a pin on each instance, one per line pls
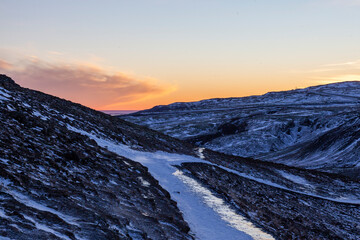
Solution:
(97, 88)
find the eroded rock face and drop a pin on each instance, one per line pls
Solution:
(59, 184)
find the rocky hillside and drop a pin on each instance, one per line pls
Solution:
(59, 184)
(313, 128)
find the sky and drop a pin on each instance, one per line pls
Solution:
(135, 54)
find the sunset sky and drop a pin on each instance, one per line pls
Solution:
(113, 54)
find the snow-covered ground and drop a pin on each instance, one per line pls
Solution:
(294, 179)
(208, 216)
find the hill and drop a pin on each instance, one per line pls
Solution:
(313, 128)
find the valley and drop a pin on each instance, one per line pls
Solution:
(70, 172)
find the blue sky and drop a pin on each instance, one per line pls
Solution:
(161, 51)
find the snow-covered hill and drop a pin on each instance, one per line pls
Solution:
(315, 127)
(69, 172)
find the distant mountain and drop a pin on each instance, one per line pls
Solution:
(70, 172)
(316, 127)
(118, 112)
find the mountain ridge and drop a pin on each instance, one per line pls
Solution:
(268, 126)
(183, 104)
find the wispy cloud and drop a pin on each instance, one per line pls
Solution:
(342, 66)
(348, 66)
(5, 65)
(56, 53)
(351, 63)
(339, 78)
(84, 83)
(337, 72)
(347, 77)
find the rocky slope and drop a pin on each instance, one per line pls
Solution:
(313, 128)
(285, 214)
(59, 184)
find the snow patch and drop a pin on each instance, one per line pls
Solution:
(226, 213)
(200, 153)
(46, 228)
(30, 203)
(26, 105)
(10, 108)
(38, 114)
(5, 161)
(4, 182)
(3, 214)
(68, 117)
(134, 233)
(294, 178)
(4, 238)
(3, 95)
(144, 182)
